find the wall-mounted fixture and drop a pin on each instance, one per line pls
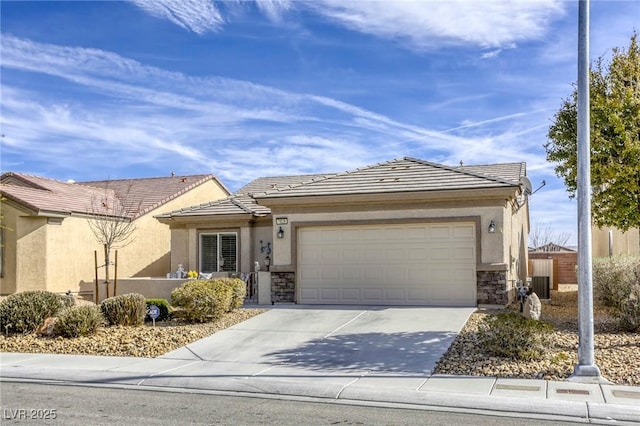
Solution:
(265, 248)
(267, 262)
(280, 233)
(492, 227)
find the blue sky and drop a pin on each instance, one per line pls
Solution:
(108, 90)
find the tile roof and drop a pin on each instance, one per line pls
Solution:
(146, 194)
(265, 184)
(401, 175)
(405, 175)
(50, 196)
(232, 205)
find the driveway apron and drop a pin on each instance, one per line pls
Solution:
(328, 339)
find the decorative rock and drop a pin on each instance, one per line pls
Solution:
(532, 307)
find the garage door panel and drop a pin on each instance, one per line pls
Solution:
(388, 264)
(418, 254)
(373, 255)
(464, 231)
(372, 295)
(330, 294)
(394, 295)
(373, 273)
(442, 232)
(464, 253)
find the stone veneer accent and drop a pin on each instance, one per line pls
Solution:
(283, 287)
(492, 288)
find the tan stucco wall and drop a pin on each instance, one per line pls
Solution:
(184, 244)
(624, 243)
(59, 256)
(8, 277)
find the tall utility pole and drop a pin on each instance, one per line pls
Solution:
(586, 371)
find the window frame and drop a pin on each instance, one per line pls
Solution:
(218, 249)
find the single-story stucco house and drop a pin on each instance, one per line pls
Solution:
(402, 232)
(46, 240)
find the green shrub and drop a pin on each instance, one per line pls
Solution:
(238, 291)
(616, 283)
(165, 309)
(78, 321)
(25, 312)
(126, 309)
(510, 335)
(202, 300)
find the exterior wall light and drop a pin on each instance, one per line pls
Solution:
(280, 233)
(492, 227)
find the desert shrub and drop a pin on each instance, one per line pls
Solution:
(78, 321)
(24, 312)
(202, 300)
(616, 283)
(613, 279)
(510, 335)
(628, 313)
(165, 309)
(125, 309)
(238, 291)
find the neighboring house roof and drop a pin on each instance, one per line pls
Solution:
(146, 194)
(405, 175)
(46, 196)
(232, 205)
(552, 248)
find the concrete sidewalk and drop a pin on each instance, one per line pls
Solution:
(339, 355)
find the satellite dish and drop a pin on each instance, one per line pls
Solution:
(526, 185)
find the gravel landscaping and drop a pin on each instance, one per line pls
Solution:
(617, 353)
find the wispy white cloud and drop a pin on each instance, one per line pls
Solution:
(147, 114)
(427, 24)
(417, 24)
(199, 16)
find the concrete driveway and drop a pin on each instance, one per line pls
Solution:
(331, 339)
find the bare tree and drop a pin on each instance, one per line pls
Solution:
(544, 237)
(111, 222)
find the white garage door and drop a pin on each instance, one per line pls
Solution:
(409, 264)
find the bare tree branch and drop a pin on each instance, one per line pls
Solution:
(111, 222)
(544, 238)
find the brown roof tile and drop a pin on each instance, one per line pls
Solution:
(234, 204)
(402, 175)
(49, 196)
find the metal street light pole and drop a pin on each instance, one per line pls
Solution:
(586, 371)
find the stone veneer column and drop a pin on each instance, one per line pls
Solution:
(492, 288)
(283, 287)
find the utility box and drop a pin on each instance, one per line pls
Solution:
(540, 286)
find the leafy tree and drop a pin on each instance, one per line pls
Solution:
(615, 139)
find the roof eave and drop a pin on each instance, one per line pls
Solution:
(391, 196)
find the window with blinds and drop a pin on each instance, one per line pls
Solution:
(218, 252)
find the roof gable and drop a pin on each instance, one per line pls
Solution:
(237, 204)
(400, 175)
